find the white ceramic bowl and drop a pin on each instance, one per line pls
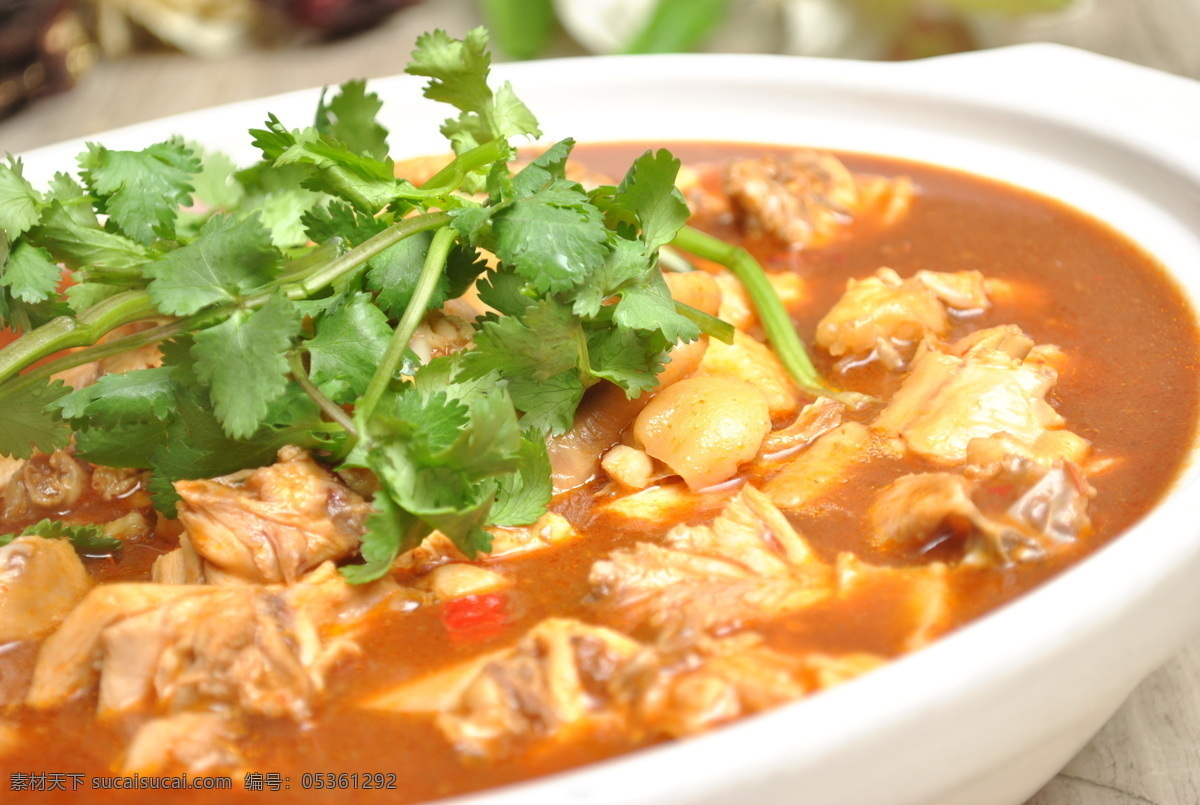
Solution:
(990, 713)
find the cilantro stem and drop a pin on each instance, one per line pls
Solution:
(393, 356)
(776, 322)
(97, 321)
(453, 175)
(358, 255)
(65, 332)
(331, 409)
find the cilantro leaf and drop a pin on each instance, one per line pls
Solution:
(340, 220)
(128, 445)
(30, 274)
(28, 421)
(349, 118)
(624, 266)
(349, 346)
(230, 258)
(197, 446)
(242, 361)
(647, 305)
(215, 185)
(508, 293)
(522, 496)
(644, 300)
(20, 204)
(83, 295)
(394, 272)
(141, 191)
(459, 70)
(543, 342)
(546, 169)
(25, 316)
(648, 191)
(390, 532)
(78, 241)
(115, 400)
(367, 183)
(626, 357)
(553, 238)
(87, 539)
(548, 406)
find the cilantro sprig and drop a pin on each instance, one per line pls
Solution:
(86, 539)
(284, 298)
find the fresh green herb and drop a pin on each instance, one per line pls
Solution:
(87, 539)
(285, 309)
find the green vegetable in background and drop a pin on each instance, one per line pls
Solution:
(678, 25)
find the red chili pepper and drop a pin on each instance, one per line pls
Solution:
(475, 613)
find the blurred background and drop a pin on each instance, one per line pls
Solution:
(71, 68)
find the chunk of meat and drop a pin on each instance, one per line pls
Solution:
(9, 467)
(180, 566)
(749, 564)
(704, 428)
(918, 598)
(170, 648)
(550, 529)
(814, 421)
(887, 316)
(440, 335)
(682, 692)
(113, 483)
(10, 737)
(1048, 448)
(565, 679)
(45, 483)
(808, 197)
(178, 656)
(699, 289)
(1015, 510)
(460, 579)
(40, 581)
(821, 468)
(271, 524)
(950, 399)
(551, 685)
(200, 743)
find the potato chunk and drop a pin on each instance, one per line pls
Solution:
(704, 428)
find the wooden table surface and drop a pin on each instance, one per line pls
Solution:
(1145, 755)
